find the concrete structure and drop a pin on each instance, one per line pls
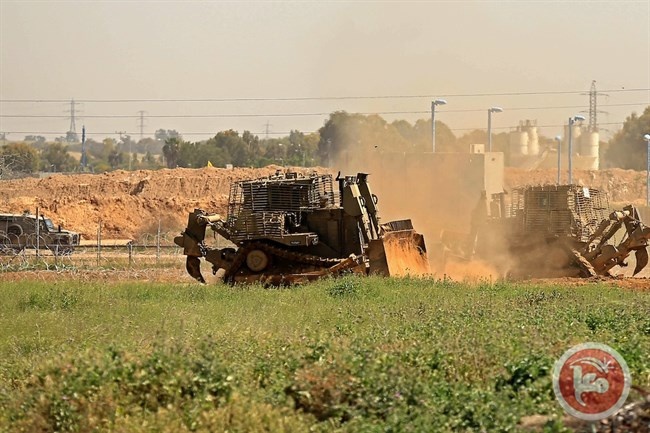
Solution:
(589, 149)
(524, 140)
(518, 143)
(586, 148)
(525, 151)
(477, 148)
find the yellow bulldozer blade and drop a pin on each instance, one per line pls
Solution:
(398, 253)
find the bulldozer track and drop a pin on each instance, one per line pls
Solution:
(585, 266)
(293, 256)
(238, 261)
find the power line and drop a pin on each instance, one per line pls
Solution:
(285, 133)
(323, 98)
(204, 116)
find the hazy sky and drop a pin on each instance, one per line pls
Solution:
(99, 52)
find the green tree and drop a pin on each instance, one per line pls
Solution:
(115, 158)
(421, 137)
(252, 143)
(71, 137)
(101, 150)
(171, 151)
(359, 134)
(126, 144)
(234, 145)
(19, 157)
(274, 151)
(149, 161)
(35, 139)
(627, 149)
(301, 149)
(476, 136)
(148, 145)
(55, 157)
(162, 135)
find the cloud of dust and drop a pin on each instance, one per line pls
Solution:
(439, 193)
(470, 271)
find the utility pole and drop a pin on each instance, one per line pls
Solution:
(433, 121)
(84, 159)
(72, 131)
(572, 120)
(593, 107)
(268, 128)
(141, 123)
(121, 134)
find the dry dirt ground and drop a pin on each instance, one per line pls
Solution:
(131, 204)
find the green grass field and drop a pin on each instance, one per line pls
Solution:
(353, 355)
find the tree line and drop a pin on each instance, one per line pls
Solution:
(342, 132)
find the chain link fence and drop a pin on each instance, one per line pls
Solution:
(149, 250)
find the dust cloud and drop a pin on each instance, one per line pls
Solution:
(439, 194)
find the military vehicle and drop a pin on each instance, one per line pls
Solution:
(553, 231)
(21, 231)
(289, 228)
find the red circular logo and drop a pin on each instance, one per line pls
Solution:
(591, 381)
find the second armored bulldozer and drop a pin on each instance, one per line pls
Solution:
(290, 228)
(554, 231)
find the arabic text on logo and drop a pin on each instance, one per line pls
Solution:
(591, 381)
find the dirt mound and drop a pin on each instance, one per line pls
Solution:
(129, 203)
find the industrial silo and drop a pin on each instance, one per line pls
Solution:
(589, 148)
(533, 138)
(518, 142)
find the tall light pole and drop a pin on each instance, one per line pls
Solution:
(433, 122)
(572, 120)
(559, 156)
(490, 111)
(647, 177)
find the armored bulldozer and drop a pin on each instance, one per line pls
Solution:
(289, 228)
(554, 231)
(21, 231)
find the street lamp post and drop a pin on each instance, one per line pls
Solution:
(572, 120)
(433, 122)
(489, 132)
(647, 177)
(302, 150)
(559, 156)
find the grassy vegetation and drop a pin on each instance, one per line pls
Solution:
(347, 355)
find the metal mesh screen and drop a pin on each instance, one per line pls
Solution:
(262, 207)
(564, 210)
